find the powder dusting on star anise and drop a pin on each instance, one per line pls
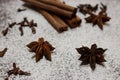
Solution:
(91, 56)
(41, 48)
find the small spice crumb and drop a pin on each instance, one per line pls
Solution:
(20, 10)
(3, 52)
(4, 32)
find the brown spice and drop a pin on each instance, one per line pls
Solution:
(26, 23)
(17, 71)
(20, 10)
(91, 56)
(99, 19)
(12, 24)
(83, 7)
(60, 5)
(53, 19)
(51, 8)
(103, 8)
(3, 52)
(73, 22)
(41, 48)
(4, 32)
(21, 30)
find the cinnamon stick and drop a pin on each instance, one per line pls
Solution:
(60, 5)
(51, 8)
(54, 20)
(59, 27)
(57, 18)
(73, 22)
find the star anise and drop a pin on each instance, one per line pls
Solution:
(99, 19)
(16, 71)
(3, 52)
(41, 48)
(91, 56)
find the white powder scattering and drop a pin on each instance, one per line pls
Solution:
(65, 64)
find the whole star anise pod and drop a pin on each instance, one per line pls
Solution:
(99, 19)
(91, 56)
(41, 48)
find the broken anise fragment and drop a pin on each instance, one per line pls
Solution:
(41, 48)
(103, 8)
(83, 7)
(99, 19)
(17, 71)
(3, 52)
(91, 56)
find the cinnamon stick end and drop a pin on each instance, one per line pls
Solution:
(60, 30)
(75, 11)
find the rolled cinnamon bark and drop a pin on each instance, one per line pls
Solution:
(60, 5)
(57, 18)
(59, 27)
(54, 20)
(73, 22)
(53, 9)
